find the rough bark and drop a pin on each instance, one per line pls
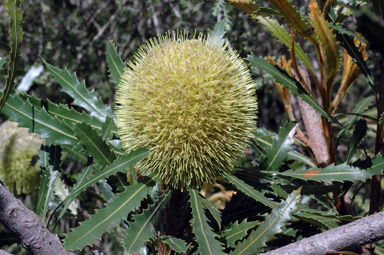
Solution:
(33, 235)
(347, 237)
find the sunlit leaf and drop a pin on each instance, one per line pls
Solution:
(115, 64)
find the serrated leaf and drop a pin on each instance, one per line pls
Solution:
(205, 236)
(94, 144)
(358, 136)
(331, 173)
(271, 226)
(107, 128)
(238, 231)
(280, 147)
(295, 87)
(327, 41)
(216, 213)
(265, 138)
(281, 33)
(318, 219)
(217, 35)
(347, 43)
(143, 228)
(16, 37)
(293, 17)
(108, 217)
(176, 244)
(38, 121)
(117, 166)
(83, 178)
(247, 6)
(250, 191)
(62, 192)
(47, 184)
(62, 112)
(115, 64)
(81, 95)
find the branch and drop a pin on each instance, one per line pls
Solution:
(24, 223)
(347, 237)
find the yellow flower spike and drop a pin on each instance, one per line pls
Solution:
(17, 149)
(192, 102)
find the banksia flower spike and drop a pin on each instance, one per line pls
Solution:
(17, 149)
(192, 102)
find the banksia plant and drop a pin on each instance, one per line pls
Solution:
(192, 103)
(17, 149)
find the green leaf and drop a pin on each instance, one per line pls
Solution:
(47, 184)
(107, 128)
(280, 147)
(327, 40)
(16, 37)
(144, 226)
(82, 97)
(44, 154)
(250, 191)
(281, 33)
(347, 43)
(293, 17)
(216, 213)
(108, 217)
(61, 191)
(271, 226)
(238, 231)
(94, 144)
(83, 178)
(331, 173)
(288, 82)
(318, 218)
(357, 137)
(217, 35)
(176, 244)
(205, 237)
(115, 64)
(117, 166)
(265, 139)
(38, 121)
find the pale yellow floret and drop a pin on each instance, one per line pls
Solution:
(192, 103)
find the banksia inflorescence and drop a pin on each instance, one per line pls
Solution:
(192, 102)
(17, 149)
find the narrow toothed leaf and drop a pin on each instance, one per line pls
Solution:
(216, 213)
(61, 191)
(94, 144)
(247, 6)
(83, 178)
(175, 244)
(295, 87)
(118, 166)
(293, 17)
(357, 137)
(238, 231)
(281, 33)
(47, 184)
(280, 148)
(271, 226)
(81, 95)
(332, 173)
(205, 236)
(108, 217)
(107, 129)
(250, 191)
(115, 64)
(329, 46)
(347, 43)
(143, 229)
(265, 139)
(38, 121)
(16, 37)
